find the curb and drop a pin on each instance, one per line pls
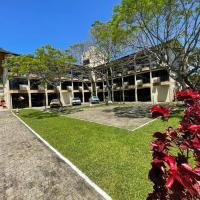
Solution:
(144, 124)
(80, 173)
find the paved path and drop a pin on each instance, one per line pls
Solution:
(30, 171)
(113, 116)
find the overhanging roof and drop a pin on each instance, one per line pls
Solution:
(7, 52)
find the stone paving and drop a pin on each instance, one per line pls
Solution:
(121, 117)
(30, 171)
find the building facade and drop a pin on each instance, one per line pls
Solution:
(133, 78)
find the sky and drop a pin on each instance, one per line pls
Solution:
(28, 24)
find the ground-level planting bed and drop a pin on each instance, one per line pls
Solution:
(115, 159)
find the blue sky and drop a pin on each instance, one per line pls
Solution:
(28, 24)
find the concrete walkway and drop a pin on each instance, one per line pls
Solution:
(120, 117)
(30, 171)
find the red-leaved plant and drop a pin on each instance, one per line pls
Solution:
(159, 111)
(172, 175)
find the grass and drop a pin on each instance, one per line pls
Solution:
(115, 159)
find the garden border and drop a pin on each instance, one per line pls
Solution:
(79, 172)
(145, 124)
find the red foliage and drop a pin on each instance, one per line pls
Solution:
(173, 177)
(159, 111)
(186, 94)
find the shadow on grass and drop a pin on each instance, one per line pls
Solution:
(139, 111)
(39, 115)
(136, 111)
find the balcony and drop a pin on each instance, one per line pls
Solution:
(114, 85)
(119, 74)
(80, 88)
(86, 79)
(156, 80)
(41, 87)
(58, 87)
(139, 82)
(130, 72)
(145, 68)
(69, 88)
(90, 88)
(99, 79)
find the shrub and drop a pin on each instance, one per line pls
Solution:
(159, 111)
(172, 173)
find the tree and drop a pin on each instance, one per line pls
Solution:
(169, 30)
(104, 46)
(48, 64)
(107, 45)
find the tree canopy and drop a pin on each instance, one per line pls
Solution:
(170, 26)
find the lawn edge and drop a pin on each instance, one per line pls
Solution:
(76, 169)
(153, 120)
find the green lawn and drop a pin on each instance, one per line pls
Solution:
(117, 160)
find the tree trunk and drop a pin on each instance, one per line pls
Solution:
(58, 95)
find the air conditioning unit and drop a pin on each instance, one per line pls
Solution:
(118, 88)
(139, 82)
(69, 88)
(97, 87)
(114, 85)
(98, 79)
(90, 88)
(80, 88)
(145, 68)
(58, 87)
(119, 74)
(138, 68)
(156, 80)
(23, 87)
(130, 72)
(125, 84)
(41, 87)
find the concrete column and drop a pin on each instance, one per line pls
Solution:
(104, 98)
(151, 81)
(95, 84)
(72, 88)
(46, 95)
(113, 99)
(123, 98)
(83, 93)
(136, 97)
(10, 102)
(29, 95)
(151, 85)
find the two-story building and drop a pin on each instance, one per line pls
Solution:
(136, 77)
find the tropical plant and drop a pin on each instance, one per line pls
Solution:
(160, 111)
(175, 168)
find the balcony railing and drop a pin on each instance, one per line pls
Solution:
(23, 87)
